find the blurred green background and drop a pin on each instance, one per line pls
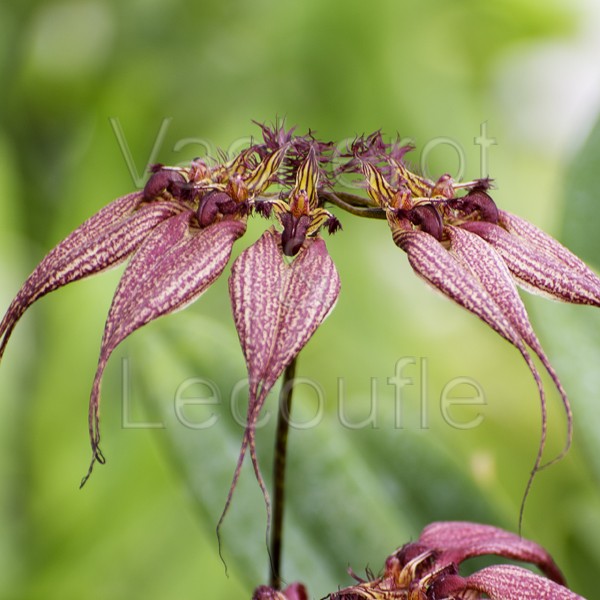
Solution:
(91, 92)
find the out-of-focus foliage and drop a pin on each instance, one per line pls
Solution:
(91, 92)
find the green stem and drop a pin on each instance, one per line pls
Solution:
(279, 464)
(369, 212)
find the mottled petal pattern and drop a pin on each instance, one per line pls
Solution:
(172, 268)
(101, 242)
(509, 582)
(459, 540)
(543, 242)
(475, 283)
(433, 263)
(277, 306)
(489, 268)
(539, 272)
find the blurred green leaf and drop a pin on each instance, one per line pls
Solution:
(581, 219)
(353, 494)
(570, 333)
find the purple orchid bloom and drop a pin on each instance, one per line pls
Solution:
(278, 304)
(178, 235)
(476, 254)
(178, 232)
(428, 569)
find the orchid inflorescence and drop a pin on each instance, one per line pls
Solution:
(178, 233)
(428, 569)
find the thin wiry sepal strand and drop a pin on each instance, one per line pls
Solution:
(488, 266)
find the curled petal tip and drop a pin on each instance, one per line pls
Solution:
(172, 268)
(457, 541)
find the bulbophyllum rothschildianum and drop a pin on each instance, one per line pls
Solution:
(178, 233)
(428, 569)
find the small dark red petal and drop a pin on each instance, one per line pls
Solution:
(214, 204)
(427, 218)
(294, 232)
(477, 201)
(164, 180)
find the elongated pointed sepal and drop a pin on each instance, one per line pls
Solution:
(278, 304)
(488, 266)
(101, 242)
(171, 269)
(277, 307)
(433, 263)
(540, 271)
(475, 286)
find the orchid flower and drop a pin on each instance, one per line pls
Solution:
(476, 254)
(428, 569)
(294, 591)
(179, 232)
(277, 303)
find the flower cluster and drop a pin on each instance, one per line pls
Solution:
(476, 254)
(428, 569)
(178, 234)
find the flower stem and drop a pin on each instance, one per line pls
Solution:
(279, 464)
(347, 203)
